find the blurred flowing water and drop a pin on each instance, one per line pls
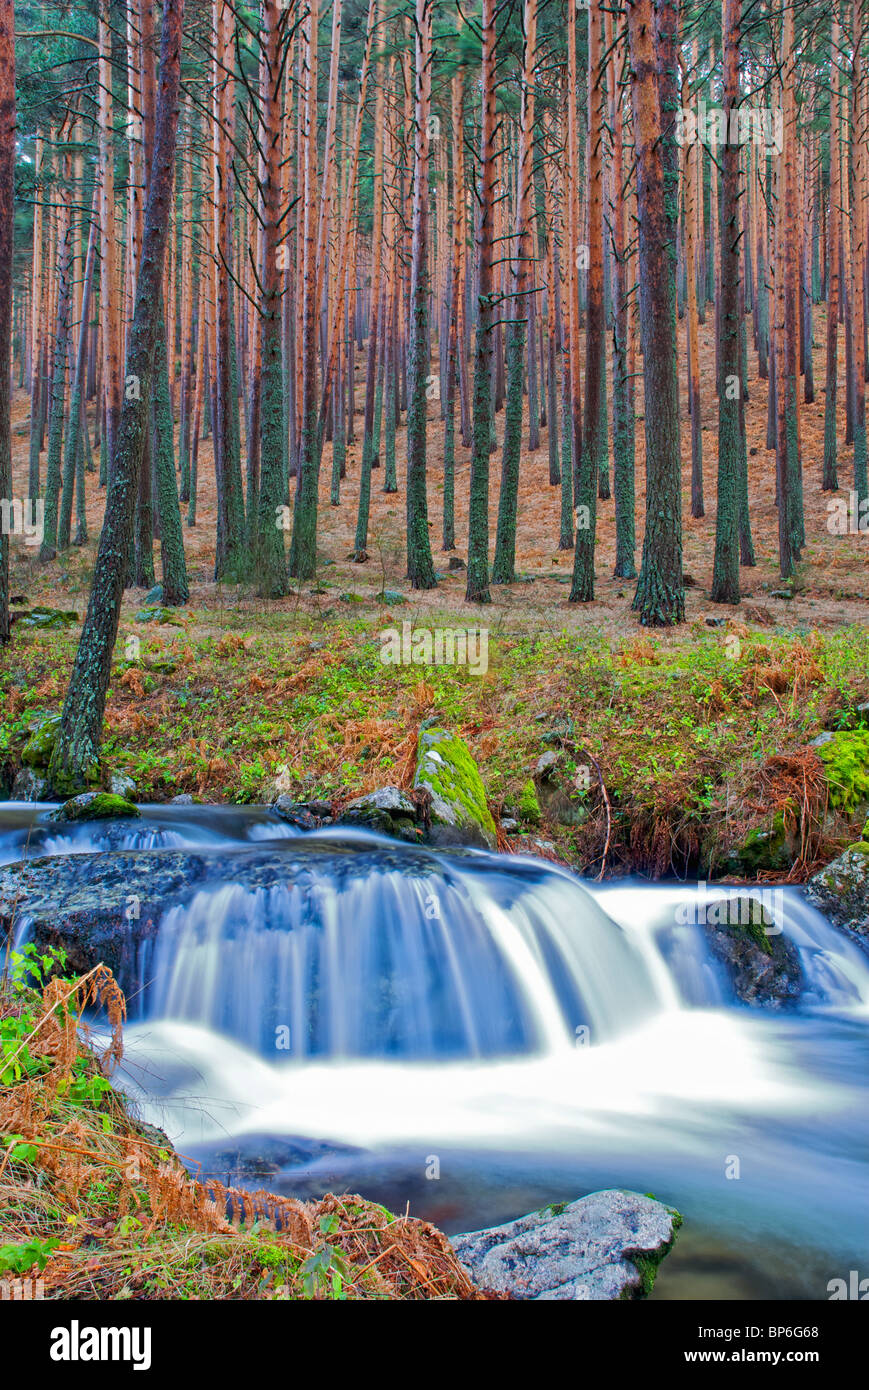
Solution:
(478, 1035)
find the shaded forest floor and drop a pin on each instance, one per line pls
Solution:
(683, 723)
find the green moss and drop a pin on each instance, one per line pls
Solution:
(765, 847)
(446, 767)
(96, 806)
(846, 758)
(529, 806)
(647, 1263)
(38, 749)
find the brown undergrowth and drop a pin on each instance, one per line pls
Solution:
(106, 1209)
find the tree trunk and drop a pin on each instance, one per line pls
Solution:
(660, 595)
(75, 761)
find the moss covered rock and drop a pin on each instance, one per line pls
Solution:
(459, 811)
(94, 806)
(529, 806)
(841, 890)
(766, 847)
(39, 747)
(762, 966)
(845, 755)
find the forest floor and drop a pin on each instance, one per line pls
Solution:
(684, 723)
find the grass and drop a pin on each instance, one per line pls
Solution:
(681, 725)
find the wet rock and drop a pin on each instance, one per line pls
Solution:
(106, 907)
(29, 786)
(390, 799)
(320, 809)
(607, 1245)
(94, 806)
(459, 813)
(294, 813)
(388, 811)
(763, 967)
(841, 890)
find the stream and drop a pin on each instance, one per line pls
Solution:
(477, 1035)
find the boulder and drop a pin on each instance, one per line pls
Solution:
(94, 806)
(546, 765)
(39, 747)
(607, 1245)
(388, 811)
(107, 907)
(120, 784)
(29, 786)
(765, 848)
(459, 813)
(841, 890)
(845, 755)
(763, 967)
(294, 813)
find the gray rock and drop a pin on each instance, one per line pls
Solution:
(546, 765)
(841, 891)
(183, 799)
(390, 799)
(29, 786)
(120, 784)
(106, 907)
(508, 824)
(825, 737)
(387, 811)
(607, 1245)
(320, 809)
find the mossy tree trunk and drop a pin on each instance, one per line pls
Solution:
(660, 595)
(503, 566)
(75, 761)
(477, 590)
(420, 567)
(725, 574)
(7, 183)
(271, 565)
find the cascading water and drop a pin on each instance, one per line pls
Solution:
(479, 1034)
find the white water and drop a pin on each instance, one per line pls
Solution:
(378, 1008)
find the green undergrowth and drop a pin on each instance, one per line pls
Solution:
(679, 724)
